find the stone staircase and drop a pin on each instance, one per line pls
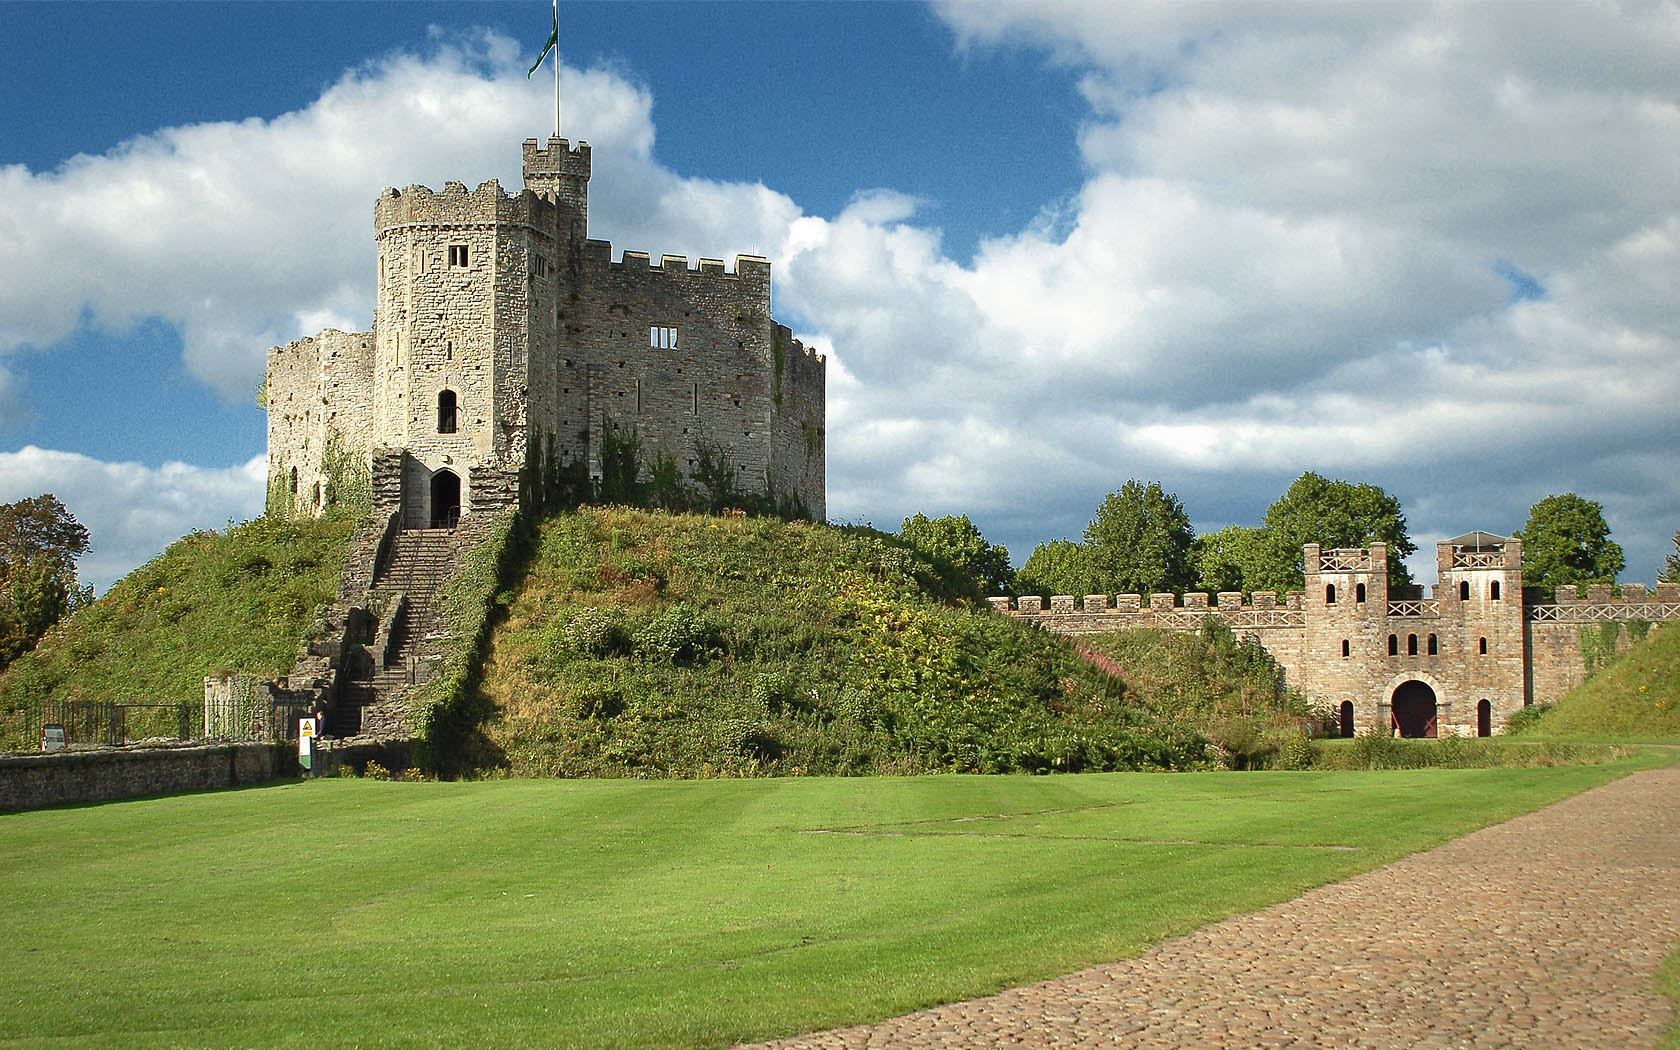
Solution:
(377, 676)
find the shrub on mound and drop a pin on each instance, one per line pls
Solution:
(647, 644)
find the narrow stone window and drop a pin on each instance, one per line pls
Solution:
(449, 349)
(696, 408)
(1359, 593)
(1330, 594)
(1345, 648)
(1481, 646)
(1434, 646)
(294, 481)
(457, 256)
(1411, 645)
(1463, 590)
(1393, 645)
(446, 412)
(1493, 591)
(638, 397)
(539, 266)
(662, 337)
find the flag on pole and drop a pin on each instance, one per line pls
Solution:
(553, 42)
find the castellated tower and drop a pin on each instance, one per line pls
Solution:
(502, 332)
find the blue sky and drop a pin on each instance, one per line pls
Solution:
(1048, 247)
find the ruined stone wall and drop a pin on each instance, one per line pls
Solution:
(319, 388)
(33, 781)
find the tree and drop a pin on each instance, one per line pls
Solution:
(1057, 567)
(956, 541)
(40, 541)
(1227, 559)
(1671, 567)
(1567, 542)
(1331, 514)
(1139, 542)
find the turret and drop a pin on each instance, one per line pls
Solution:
(560, 172)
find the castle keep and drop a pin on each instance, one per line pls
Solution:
(502, 332)
(503, 339)
(1460, 661)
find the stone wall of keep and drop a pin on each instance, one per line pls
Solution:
(798, 432)
(716, 386)
(319, 387)
(64, 777)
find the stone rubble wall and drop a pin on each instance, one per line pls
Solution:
(65, 777)
(318, 387)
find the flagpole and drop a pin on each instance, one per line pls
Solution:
(556, 68)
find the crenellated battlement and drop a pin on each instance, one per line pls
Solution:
(1095, 613)
(455, 205)
(557, 157)
(754, 268)
(1601, 604)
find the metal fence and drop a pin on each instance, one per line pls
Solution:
(98, 723)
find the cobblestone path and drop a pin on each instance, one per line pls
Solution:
(1544, 931)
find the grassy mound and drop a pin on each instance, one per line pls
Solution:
(240, 600)
(648, 644)
(1231, 691)
(1636, 696)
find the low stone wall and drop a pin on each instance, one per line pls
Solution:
(33, 781)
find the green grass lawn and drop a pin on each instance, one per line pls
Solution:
(633, 913)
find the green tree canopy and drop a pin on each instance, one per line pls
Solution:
(1057, 567)
(40, 541)
(1567, 542)
(1227, 559)
(1671, 567)
(956, 541)
(1139, 542)
(1331, 514)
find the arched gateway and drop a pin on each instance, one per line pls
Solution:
(1414, 710)
(446, 499)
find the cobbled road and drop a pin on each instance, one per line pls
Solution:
(1544, 931)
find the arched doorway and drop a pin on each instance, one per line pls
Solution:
(1347, 718)
(446, 499)
(1484, 718)
(1414, 710)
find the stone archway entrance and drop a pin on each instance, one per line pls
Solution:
(1347, 718)
(1414, 710)
(446, 499)
(1484, 718)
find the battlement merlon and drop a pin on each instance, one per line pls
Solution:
(454, 205)
(559, 171)
(749, 280)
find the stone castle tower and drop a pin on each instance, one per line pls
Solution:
(501, 330)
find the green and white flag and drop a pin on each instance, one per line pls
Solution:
(553, 41)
